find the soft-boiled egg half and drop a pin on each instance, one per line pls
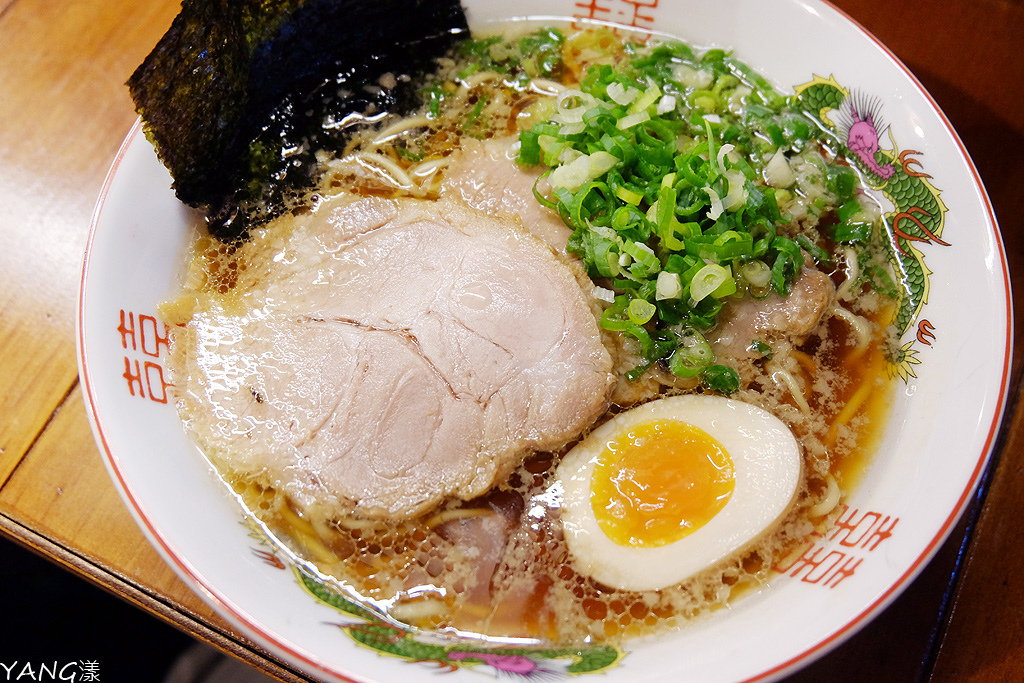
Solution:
(669, 488)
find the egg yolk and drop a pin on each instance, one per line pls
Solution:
(658, 482)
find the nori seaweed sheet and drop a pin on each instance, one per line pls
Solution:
(233, 84)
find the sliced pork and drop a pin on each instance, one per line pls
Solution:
(746, 320)
(381, 356)
(485, 174)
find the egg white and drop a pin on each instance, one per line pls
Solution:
(767, 469)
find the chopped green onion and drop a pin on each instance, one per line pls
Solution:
(627, 195)
(762, 348)
(668, 286)
(582, 170)
(643, 256)
(877, 276)
(709, 279)
(756, 273)
(474, 114)
(658, 165)
(631, 120)
(720, 378)
(848, 210)
(692, 355)
(641, 311)
(817, 253)
(849, 233)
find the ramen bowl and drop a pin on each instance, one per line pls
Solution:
(930, 458)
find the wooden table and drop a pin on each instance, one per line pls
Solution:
(63, 113)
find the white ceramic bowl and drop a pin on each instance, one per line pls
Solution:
(945, 418)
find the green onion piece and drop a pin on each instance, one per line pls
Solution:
(473, 115)
(848, 210)
(631, 120)
(842, 180)
(668, 286)
(649, 97)
(850, 233)
(436, 95)
(692, 355)
(877, 276)
(720, 378)
(529, 147)
(817, 253)
(611, 318)
(627, 195)
(408, 154)
(640, 311)
(762, 348)
(646, 261)
(709, 279)
(637, 372)
(712, 150)
(574, 175)
(727, 288)
(756, 273)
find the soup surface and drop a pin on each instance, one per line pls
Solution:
(695, 233)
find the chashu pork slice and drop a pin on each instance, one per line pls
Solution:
(381, 356)
(487, 176)
(747, 319)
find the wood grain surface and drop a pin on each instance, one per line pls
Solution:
(63, 113)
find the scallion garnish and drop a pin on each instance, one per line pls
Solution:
(658, 168)
(762, 348)
(720, 378)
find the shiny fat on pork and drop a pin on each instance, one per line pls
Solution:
(381, 356)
